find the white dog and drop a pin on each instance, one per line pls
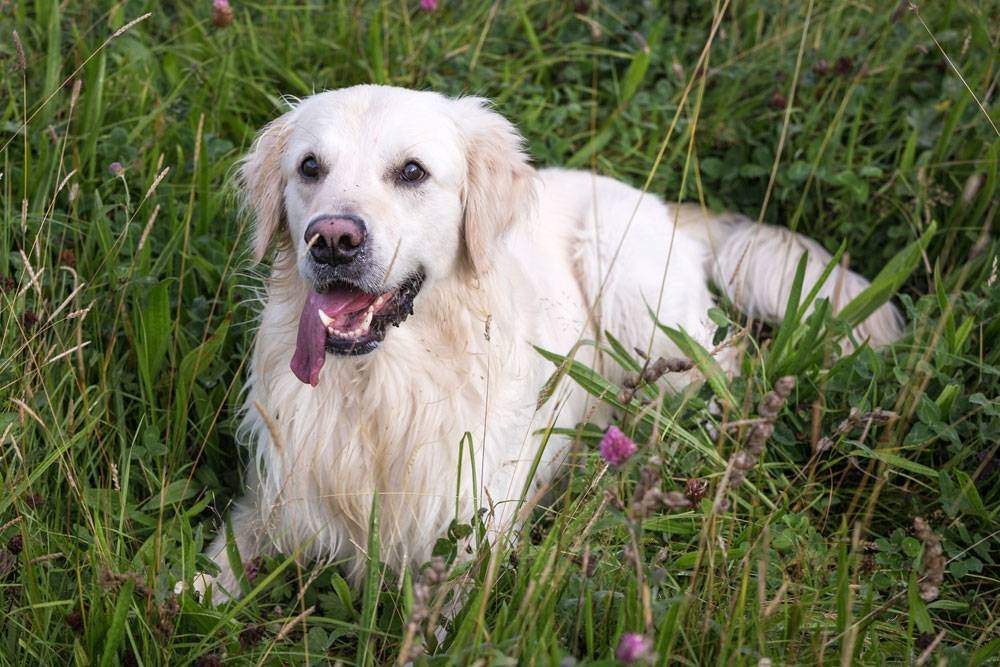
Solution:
(393, 208)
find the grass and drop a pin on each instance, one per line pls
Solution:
(127, 308)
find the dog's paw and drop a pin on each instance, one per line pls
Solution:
(203, 583)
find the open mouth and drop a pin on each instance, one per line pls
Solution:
(344, 319)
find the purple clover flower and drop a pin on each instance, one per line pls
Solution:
(633, 647)
(616, 447)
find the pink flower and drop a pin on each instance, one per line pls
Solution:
(428, 5)
(116, 168)
(222, 13)
(616, 447)
(634, 647)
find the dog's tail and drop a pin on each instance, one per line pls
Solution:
(754, 265)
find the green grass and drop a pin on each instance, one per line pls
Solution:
(127, 307)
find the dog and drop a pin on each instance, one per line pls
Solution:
(417, 259)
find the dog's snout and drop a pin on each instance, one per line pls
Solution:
(336, 239)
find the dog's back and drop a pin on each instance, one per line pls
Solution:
(631, 254)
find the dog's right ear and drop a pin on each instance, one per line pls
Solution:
(263, 184)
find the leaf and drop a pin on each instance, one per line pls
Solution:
(897, 461)
(990, 407)
(918, 609)
(960, 568)
(235, 559)
(711, 167)
(888, 281)
(708, 366)
(635, 73)
(343, 592)
(154, 330)
(621, 356)
(985, 652)
(176, 492)
(109, 656)
(792, 310)
(195, 362)
(589, 379)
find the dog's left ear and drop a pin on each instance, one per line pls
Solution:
(499, 189)
(263, 184)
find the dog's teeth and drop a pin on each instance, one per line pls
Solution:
(325, 319)
(368, 320)
(378, 301)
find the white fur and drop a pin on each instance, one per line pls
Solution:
(513, 257)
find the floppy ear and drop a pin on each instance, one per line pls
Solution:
(263, 184)
(499, 189)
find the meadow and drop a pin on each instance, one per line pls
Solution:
(867, 529)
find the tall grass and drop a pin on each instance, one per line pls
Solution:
(127, 308)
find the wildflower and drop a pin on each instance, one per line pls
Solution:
(972, 186)
(844, 66)
(677, 70)
(166, 615)
(29, 319)
(933, 561)
(429, 5)
(611, 498)
(745, 459)
(222, 13)
(587, 562)
(633, 647)
(22, 63)
(15, 544)
(649, 497)
(822, 67)
(421, 612)
(116, 168)
(251, 635)
(854, 419)
(8, 562)
(777, 101)
(901, 9)
(616, 447)
(650, 373)
(74, 619)
(658, 368)
(252, 568)
(695, 490)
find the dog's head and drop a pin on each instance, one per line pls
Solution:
(379, 193)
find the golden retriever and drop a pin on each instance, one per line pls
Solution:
(417, 259)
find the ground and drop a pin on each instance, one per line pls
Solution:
(127, 300)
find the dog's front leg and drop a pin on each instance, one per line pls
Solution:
(251, 541)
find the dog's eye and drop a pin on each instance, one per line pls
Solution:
(412, 173)
(309, 168)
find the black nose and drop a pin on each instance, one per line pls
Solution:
(336, 239)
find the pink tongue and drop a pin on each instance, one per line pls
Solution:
(310, 345)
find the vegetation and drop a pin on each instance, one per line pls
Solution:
(128, 299)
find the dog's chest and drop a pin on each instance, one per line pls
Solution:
(410, 430)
